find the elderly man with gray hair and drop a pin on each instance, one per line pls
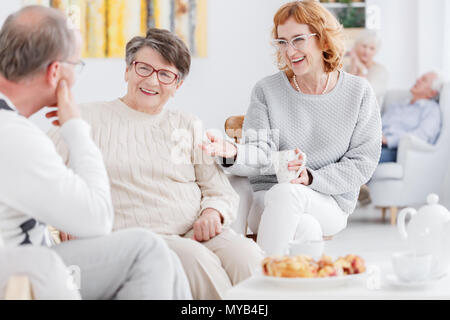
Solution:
(419, 116)
(39, 53)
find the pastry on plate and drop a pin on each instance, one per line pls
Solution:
(290, 267)
(306, 267)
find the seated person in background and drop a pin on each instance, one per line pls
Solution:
(160, 178)
(420, 116)
(361, 62)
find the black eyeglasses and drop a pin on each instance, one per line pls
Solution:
(79, 66)
(145, 70)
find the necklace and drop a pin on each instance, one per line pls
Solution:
(326, 86)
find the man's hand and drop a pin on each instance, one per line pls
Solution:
(66, 237)
(66, 106)
(208, 225)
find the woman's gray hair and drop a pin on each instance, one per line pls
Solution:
(167, 44)
(28, 46)
(369, 36)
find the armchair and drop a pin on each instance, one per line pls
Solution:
(420, 168)
(233, 128)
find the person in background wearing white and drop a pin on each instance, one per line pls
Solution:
(362, 62)
(39, 52)
(313, 107)
(160, 178)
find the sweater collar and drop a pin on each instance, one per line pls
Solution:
(130, 114)
(8, 102)
(313, 96)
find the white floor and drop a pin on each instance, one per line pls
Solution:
(375, 241)
(367, 235)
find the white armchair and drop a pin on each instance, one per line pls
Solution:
(420, 168)
(242, 186)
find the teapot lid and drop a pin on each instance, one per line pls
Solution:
(433, 199)
(433, 206)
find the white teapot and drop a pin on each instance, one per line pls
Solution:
(428, 232)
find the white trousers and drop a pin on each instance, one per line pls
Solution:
(292, 212)
(243, 187)
(214, 266)
(47, 272)
(127, 264)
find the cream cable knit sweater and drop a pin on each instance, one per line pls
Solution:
(159, 178)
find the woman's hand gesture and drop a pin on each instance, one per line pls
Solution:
(218, 147)
(296, 165)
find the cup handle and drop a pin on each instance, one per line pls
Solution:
(401, 221)
(299, 172)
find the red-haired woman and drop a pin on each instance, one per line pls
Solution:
(314, 107)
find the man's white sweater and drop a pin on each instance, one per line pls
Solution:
(36, 188)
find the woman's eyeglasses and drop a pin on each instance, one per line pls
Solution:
(79, 66)
(298, 43)
(145, 70)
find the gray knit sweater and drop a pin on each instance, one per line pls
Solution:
(340, 132)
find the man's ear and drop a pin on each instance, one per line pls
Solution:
(53, 74)
(432, 94)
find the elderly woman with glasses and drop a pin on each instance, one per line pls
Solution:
(361, 62)
(160, 178)
(314, 108)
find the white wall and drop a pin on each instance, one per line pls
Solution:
(398, 30)
(240, 54)
(415, 34)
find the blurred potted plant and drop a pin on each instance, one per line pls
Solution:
(352, 17)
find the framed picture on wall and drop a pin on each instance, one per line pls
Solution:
(107, 25)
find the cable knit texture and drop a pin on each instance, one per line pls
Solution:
(160, 179)
(340, 132)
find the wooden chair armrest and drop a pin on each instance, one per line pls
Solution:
(233, 127)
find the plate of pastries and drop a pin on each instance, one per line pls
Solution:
(304, 270)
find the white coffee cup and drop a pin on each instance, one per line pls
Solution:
(412, 267)
(280, 162)
(312, 248)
